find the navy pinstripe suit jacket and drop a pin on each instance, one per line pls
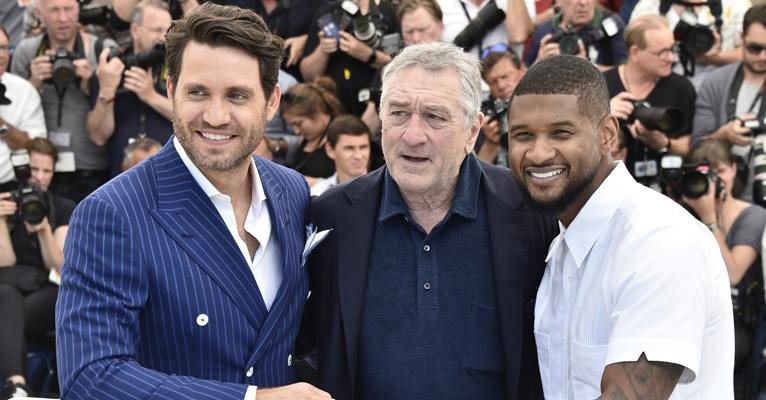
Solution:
(146, 254)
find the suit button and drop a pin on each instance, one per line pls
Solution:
(426, 248)
(249, 372)
(289, 360)
(202, 319)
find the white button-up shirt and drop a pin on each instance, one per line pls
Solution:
(634, 273)
(266, 265)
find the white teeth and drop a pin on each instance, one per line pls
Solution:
(211, 136)
(543, 175)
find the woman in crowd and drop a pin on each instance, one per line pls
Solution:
(738, 227)
(31, 255)
(309, 108)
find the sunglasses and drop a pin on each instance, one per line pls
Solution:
(495, 48)
(754, 49)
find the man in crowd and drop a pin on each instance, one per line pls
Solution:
(21, 113)
(502, 71)
(648, 77)
(139, 150)
(348, 145)
(598, 30)
(635, 297)
(131, 103)
(734, 94)
(184, 276)
(59, 64)
(397, 310)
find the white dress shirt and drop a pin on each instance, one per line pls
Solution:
(634, 273)
(25, 113)
(323, 184)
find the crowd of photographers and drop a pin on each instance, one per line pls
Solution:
(83, 98)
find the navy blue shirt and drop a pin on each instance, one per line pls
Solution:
(611, 50)
(430, 326)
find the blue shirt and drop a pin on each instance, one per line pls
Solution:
(430, 327)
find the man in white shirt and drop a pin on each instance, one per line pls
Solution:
(635, 300)
(21, 113)
(348, 145)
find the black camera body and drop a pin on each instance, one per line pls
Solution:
(30, 201)
(696, 180)
(494, 109)
(63, 67)
(147, 59)
(665, 119)
(692, 36)
(487, 19)
(368, 29)
(569, 42)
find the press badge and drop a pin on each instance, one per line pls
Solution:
(65, 162)
(60, 138)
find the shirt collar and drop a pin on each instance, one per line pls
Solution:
(259, 195)
(595, 215)
(464, 203)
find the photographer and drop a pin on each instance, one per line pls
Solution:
(648, 77)
(580, 27)
(738, 227)
(733, 94)
(30, 255)
(502, 70)
(21, 113)
(350, 62)
(130, 101)
(59, 63)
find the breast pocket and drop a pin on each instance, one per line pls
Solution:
(587, 369)
(483, 348)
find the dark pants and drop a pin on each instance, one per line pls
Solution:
(79, 184)
(25, 317)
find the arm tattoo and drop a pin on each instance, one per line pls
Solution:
(640, 380)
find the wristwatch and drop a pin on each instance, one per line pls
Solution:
(373, 57)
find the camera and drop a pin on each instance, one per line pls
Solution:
(569, 42)
(696, 180)
(759, 170)
(145, 60)
(103, 16)
(368, 29)
(664, 119)
(692, 36)
(496, 110)
(63, 67)
(30, 200)
(487, 19)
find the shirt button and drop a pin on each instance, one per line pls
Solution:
(249, 372)
(202, 320)
(427, 285)
(426, 248)
(289, 360)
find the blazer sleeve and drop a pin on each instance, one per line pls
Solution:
(104, 287)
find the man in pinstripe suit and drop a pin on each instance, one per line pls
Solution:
(183, 276)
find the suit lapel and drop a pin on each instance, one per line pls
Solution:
(355, 227)
(510, 246)
(190, 218)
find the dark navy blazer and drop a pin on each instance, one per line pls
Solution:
(338, 267)
(156, 299)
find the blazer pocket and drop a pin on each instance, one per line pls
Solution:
(483, 348)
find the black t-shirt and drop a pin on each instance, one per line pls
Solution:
(316, 164)
(27, 246)
(671, 91)
(350, 74)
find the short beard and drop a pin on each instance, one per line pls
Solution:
(571, 193)
(215, 163)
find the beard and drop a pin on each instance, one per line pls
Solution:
(751, 66)
(572, 191)
(218, 161)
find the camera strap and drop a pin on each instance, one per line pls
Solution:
(79, 51)
(468, 16)
(731, 102)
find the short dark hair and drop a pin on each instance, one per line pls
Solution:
(42, 146)
(572, 75)
(408, 6)
(226, 26)
(346, 125)
(756, 13)
(494, 57)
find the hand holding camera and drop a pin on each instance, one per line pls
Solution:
(8, 206)
(702, 190)
(327, 44)
(735, 132)
(550, 45)
(109, 74)
(621, 105)
(353, 46)
(40, 70)
(140, 82)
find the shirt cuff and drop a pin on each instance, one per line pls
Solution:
(250, 394)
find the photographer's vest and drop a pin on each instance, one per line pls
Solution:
(79, 52)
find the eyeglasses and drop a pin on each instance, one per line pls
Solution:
(664, 52)
(754, 48)
(495, 48)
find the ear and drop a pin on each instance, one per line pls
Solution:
(329, 150)
(610, 128)
(134, 30)
(473, 132)
(169, 88)
(273, 103)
